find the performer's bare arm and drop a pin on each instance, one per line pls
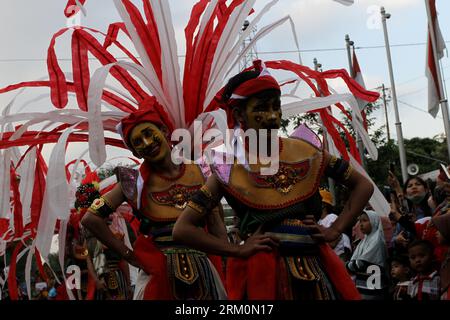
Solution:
(215, 223)
(189, 231)
(361, 190)
(99, 228)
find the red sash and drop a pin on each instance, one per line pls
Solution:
(256, 277)
(154, 264)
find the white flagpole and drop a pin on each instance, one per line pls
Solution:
(398, 124)
(444, 103)
(359, 142)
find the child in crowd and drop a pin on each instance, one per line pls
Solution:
(426, 284)
(442, 224)
(370, 255)
(342, 246)
(400, 275)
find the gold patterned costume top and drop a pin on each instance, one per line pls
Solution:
(297, 179)
(190, 272)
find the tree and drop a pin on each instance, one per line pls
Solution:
(425, 152)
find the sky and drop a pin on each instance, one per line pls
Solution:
(26, 28)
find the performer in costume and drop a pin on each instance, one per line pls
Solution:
(158, 194)
(278, 212)
(107, 270)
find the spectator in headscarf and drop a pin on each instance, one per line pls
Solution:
(370, 258)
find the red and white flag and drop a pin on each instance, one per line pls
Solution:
(357, 75)
(434, 97)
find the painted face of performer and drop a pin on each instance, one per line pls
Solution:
(263, 113)
(149, 142)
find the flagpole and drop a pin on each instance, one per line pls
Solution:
(443, 101)
(317, 67)
(386, 112)
(359, 142)
(398, 124)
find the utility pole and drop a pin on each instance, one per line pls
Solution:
(359, 142)
(398, 124)
(386, 113)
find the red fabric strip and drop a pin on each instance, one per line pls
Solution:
(18, 219)
(148, 34)
(81, 73)
(58, 86)
(12, 281)
(432, 66)
(108, 97)
(119, 73)
(113, 32)
(37, 138)
(38, 190)
(192, 25)
(210, 48)
(86, 166)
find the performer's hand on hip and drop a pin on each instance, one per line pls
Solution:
(320, 233)
(256, 243)
(131, 259)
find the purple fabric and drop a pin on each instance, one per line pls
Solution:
(204, 167)
(223, 171)
(304, 133)
(128, 181)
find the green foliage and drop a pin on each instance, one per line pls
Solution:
(425, 152)
(105, 172)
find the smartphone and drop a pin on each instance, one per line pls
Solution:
(387, 193)
(392, 167)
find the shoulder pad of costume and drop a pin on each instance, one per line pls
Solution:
(128, 180)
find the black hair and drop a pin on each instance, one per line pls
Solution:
(427, 245)
(421, 181)
(424, 203)
(401, 259)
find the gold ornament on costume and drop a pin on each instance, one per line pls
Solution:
(177, 196)
(286, 177)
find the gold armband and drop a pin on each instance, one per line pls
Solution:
(202, 201)
(348, 173)
(101, 207)
(196, 207)
(338, 169)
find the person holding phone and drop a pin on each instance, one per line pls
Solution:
(423, 229)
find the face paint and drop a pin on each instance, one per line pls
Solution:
(149, 142)
(263, 113)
